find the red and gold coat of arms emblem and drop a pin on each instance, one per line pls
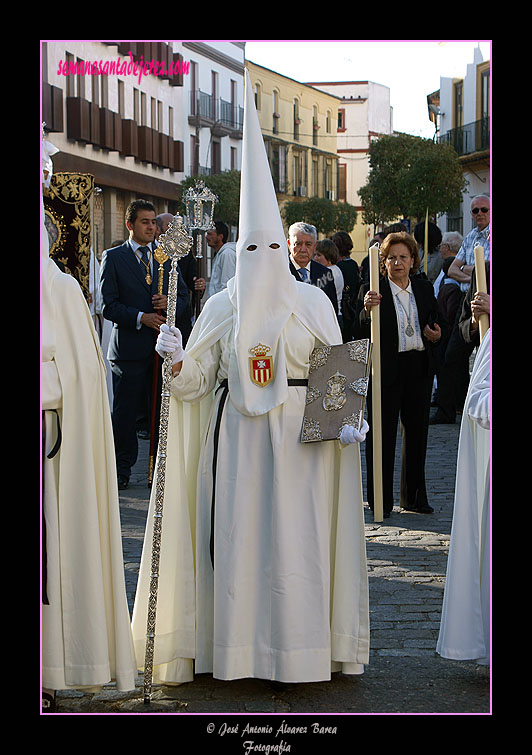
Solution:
(260, 365)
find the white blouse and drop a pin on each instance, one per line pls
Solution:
(406, 310)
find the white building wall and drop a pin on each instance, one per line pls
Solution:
(227, 60)
(380, 113)
(446, 104)
(357, 133)
(367, 111)
(477, 175)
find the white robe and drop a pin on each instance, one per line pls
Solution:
(465, 622)
(104, 327)
(86, 632)
(223, 268)
(288, 599)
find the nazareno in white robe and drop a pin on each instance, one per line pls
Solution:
(86, 631)
(465, 622)
(288, 598)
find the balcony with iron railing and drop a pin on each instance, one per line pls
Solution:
(223, 117)
(468, 139)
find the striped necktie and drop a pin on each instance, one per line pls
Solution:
(303, 272)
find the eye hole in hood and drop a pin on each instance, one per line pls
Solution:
(252, 247)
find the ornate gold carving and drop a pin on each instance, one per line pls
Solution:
(161, 258)
(72, 187)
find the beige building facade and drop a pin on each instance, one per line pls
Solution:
(364, 114)
(299, 126)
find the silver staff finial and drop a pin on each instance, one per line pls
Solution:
(175, 241)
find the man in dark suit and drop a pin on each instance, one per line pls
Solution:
(302, 240)
(128, 288)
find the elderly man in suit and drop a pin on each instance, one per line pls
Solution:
(128, 289)
(302, 240)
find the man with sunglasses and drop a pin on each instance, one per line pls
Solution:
(464, 261)
(464, 334)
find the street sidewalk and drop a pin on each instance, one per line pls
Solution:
(407, 558)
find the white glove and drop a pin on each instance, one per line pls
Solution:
(170, 341)
(350, 434)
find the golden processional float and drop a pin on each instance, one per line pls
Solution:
(67, 216)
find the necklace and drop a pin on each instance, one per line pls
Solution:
(409, 330)
(147, 266)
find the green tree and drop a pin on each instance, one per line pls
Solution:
(226, 186)
(327, 216)
(409, 175)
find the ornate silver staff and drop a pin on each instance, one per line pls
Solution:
(175, 243)
(199, 203)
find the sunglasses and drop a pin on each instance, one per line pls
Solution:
(476, 210)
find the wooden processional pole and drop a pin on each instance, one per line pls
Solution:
(426, 243)
(480, 275)
(376, 425)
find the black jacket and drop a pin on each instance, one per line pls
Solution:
(321, 277)
(427, 308)
(125, 293)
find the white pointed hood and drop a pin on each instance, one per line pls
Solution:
(263, 292)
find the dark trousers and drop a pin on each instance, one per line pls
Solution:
(407, 399)
(453, 381)
(132, 381)
(453, 373)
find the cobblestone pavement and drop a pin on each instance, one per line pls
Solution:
(407, 557)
